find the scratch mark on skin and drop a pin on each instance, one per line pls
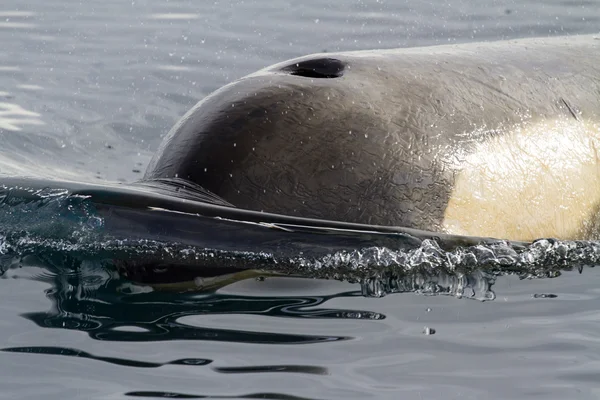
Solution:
(573, 113)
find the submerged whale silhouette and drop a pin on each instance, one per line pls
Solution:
(453, 143)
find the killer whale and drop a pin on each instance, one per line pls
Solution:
(457, 144)
(483, 139)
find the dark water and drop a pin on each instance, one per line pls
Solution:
(87, 91)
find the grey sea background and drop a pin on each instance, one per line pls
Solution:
(89, 89)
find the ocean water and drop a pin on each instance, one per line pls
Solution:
(89, 89)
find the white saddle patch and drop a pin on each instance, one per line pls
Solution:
(541, 179)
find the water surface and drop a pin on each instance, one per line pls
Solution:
(88, 90)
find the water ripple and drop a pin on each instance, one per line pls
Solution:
(172, 395)
(173, 16)
(61, 351)
(81, 303)
(12, 116)
(303, 369)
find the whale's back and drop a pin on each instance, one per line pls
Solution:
(376, 137)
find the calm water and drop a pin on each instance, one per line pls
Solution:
(87, 91)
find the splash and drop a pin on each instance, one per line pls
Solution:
(56, 224)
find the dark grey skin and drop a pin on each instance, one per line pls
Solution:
(373, 137)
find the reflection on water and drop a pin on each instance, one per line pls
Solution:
(91, 297)
(89, 300)
(173, 16)
(13, 116)
(16, 20)
(171, 395)
(61, 351)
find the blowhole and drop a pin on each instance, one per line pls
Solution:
(316, 68)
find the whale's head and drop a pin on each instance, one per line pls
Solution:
(321, 137)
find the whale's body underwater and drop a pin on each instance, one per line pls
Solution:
(453, 143)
